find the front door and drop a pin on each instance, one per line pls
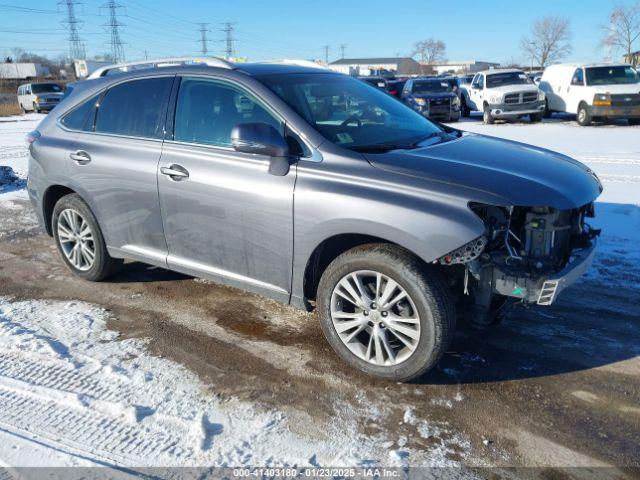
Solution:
(224, 215)
(575, 91)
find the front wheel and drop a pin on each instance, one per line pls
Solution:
(80, 241)
(487, 117)
(583, 116)
(465, 111)
(384, 312)
(536, 117)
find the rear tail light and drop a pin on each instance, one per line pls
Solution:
(32, 136)
(393, 92)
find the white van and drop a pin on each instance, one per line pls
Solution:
(39, 97)
(593, 92)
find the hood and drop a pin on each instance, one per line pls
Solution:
(629, 88)
(521, 174)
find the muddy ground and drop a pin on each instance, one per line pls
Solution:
(551, 388)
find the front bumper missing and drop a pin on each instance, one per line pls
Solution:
(545, 290)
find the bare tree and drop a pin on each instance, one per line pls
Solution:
(548, 41)
(430, 51)
(624, 27)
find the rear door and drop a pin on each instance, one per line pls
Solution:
(113, 165)
(225, 216)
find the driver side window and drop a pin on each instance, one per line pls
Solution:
(207, 110)
(478, 81)
(578, 77)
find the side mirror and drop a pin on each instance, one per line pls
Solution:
(262, 139)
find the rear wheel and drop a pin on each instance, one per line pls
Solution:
(583, 116)
(80, 241)
(487, 117)
(384, 312)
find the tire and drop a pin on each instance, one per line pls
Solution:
(536, 117)
(427, 301)
(22, 110)
(583, 117)
(633, 121)
(465, 111)
(487, 117)
(70, 210)
(547, 113)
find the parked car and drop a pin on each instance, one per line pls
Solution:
(593, 92)
(38, 97)
(380, 83)
(506, 93)
(325, 194)
(395, 87)
(432, 97)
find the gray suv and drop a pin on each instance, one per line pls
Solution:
(317, 190)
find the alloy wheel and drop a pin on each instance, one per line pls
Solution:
(375, 318)
(76, 239)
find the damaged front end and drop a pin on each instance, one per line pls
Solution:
(526, 255)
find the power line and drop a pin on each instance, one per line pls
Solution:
(326, 53)
(203, 38)
(76, 46)
(117, 49)
(343, 48)
(229, 40)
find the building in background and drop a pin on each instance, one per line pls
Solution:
(471, 66)
(376, 66)
(633, 58)
(23, 71)
(84, 68)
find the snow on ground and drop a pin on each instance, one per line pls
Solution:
(76, 395)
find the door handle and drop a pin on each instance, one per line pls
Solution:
(80, 157)
(175, 172)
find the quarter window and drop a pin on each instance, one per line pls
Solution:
(82, 117)
(207, 110)
(134, 108)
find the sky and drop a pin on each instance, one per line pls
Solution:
(488, 30)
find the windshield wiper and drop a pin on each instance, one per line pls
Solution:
(444, 136)
(378, 147)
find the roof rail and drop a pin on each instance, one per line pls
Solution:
(161, 62)
(299, 63)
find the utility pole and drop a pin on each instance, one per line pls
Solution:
(229, 51)
(76, 46)
(343, 48)
(203, 38)
(117, 49)
(326, 54)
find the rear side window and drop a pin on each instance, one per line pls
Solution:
(207, 111)
(134, 108)
(81, 118)
(578, 77)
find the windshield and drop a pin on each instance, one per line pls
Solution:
(46, 88)
(508, 78)
(431, 87)
(621, 75)
(349, 112)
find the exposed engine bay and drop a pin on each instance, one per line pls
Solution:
(527, 255)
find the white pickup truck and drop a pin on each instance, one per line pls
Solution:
(502, 94)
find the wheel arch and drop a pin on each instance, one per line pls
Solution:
(51, 196)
